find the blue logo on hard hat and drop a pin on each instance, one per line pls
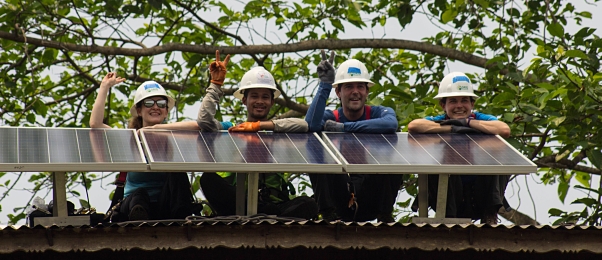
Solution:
(152, 87)
(353, 71)
(463, 82)
(460, 78)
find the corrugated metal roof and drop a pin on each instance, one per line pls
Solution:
(266, 233)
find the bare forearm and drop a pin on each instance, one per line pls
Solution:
(491, 127)
(98, 108)
(187, 125)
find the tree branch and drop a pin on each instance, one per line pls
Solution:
(331, 44)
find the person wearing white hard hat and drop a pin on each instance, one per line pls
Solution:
(483, 195)
(258, 92)
(353, 197)
(146, 196)
(456, 97)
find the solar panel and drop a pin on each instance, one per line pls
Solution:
(26, 149)
(427, 153)
(237, 152)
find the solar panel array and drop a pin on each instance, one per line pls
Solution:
(238, 152)
(80, 149)
(69, 149)
(427, 153)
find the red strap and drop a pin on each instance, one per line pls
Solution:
(366, 109)
(121, 179)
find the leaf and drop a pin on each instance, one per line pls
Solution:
(595, 157)
(405, 14)
(449, 15)
(587, 201)
(556, 29)
(157, 4)
(557, 121)
(563, 189)
(583, 178)
(576, 54)
(84, 203)
(131, 9)
(555, 212)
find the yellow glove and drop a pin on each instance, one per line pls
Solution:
(217, 69)
(245, 127)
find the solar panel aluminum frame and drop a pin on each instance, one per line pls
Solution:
(430, 169)
(162, 166)
(74, 166)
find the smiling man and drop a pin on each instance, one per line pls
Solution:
(352, 197)
(480, 196)
(258, 93)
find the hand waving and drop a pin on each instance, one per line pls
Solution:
(217, 69)
(111, 80)
(325, 68)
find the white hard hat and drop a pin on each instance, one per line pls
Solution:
(257, 77)
(151, 89)
(352, 70)
(455, 84)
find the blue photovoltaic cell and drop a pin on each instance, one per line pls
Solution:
(381, 148)
(252, 147)
(412, 152)
(438, 149)
(162, 146)
(234, 150)
(93, 146)
(464, 146)
(311, 148)
(499, 150)
(425, 149)
(192, 146)
(352, 149)
(221, 145)
(123, 146)
(8, 145)
(29, 149)
(63, 145)
(282, 149)
(33, 145)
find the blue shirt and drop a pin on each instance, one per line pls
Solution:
(151, 181)
(226, 125)
(382, 119)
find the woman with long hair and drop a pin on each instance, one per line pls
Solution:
(146, 195)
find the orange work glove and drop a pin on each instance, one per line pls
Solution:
(245, 127)
(217, 69)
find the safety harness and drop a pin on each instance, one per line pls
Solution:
(366, 108)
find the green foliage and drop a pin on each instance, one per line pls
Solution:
(553, 101)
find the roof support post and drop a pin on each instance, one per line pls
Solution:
(252, 193)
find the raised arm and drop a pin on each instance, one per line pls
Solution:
(98, 108)
(206, 118)
(315, 113)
